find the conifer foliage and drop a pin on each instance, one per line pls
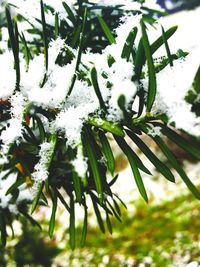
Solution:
(79, 76)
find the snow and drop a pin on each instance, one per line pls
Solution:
(78, 106)
(124, 4)
(126, 25)
(80, 163)
(59, 80)
(172, 91)
(17, 105)
(14, 126)
(28, 80)
(12, 132)
(120, 82)
(55, 47)
(41, 168)
(55, 90)
(8, 78)
(154, 131)
(120, 87)
(129, 5)
(152, 4)
(5, 200)
(185, 38)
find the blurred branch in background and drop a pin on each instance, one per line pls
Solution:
(173, 6)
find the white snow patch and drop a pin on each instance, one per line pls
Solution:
(173, 84)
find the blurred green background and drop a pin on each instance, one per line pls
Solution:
(164, 234)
